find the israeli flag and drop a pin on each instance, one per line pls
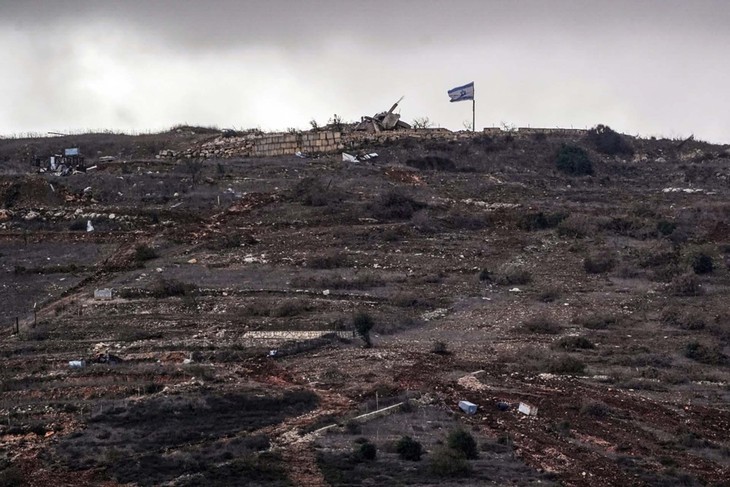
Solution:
(461, 93)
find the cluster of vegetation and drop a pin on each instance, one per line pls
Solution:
(542, 325)
(144, 252)
(608, 141)
(363, 323)
(394, 205)
(574, 161)
(540, 220)
(165, 288)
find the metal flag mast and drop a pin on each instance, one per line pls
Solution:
(463, 93)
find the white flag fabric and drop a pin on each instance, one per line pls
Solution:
(461, 93)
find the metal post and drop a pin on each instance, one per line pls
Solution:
(17, 325)
(473, 115)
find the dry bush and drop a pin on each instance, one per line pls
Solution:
(542, 325)
(599, 263)
(572, 343)
(540, 221)
(685, 285)
(164, 288)
(549, 295)
(659, 255)
(512, 274)
(709, 354)
(596, 409)
(699, 259)
(329, 260)
(316, 192)
(447, 462)
(565, 364)
(144, 252)
(394, 205)
(289, 308)
(576, 226)
(432, 163)
(597, 321)
(425, 223)
(684, 319)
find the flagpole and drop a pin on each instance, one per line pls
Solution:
(473, 115)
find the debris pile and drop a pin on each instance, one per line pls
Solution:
(383, 121)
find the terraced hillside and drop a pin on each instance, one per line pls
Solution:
(583, 274)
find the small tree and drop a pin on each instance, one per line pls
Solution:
(574, 161)
(363, 324)
(608, 141)
(409, 449)
(447, 462)
(365, 451)
(463, 442)
(194, 168)
(422, 123)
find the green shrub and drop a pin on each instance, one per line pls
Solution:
(365, 451)
(463, 442)
(408, 449)
(665, 227)
(705, 354)
(447, 462)
(608, 141)
(701, 263)
(363, 323)
(573, 161)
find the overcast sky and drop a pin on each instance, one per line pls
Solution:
(651, 67)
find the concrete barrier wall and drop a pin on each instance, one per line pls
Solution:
(327, 142)
(534, 130)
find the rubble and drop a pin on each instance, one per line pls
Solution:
(383, 121)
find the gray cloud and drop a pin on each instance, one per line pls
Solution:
(652, 67)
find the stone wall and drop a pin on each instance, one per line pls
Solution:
(534, 130)
(260, 145)
(326, 142)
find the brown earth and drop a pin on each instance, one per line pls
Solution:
(584, 296)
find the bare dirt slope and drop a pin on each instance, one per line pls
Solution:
(489, 271)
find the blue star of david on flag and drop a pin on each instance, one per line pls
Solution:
(461, 93)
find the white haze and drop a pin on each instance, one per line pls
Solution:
(650, 68)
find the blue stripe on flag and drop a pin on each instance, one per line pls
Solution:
(461, 93)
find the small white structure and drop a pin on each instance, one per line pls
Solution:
(103, 294)
(527, 409)
(468, 407)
